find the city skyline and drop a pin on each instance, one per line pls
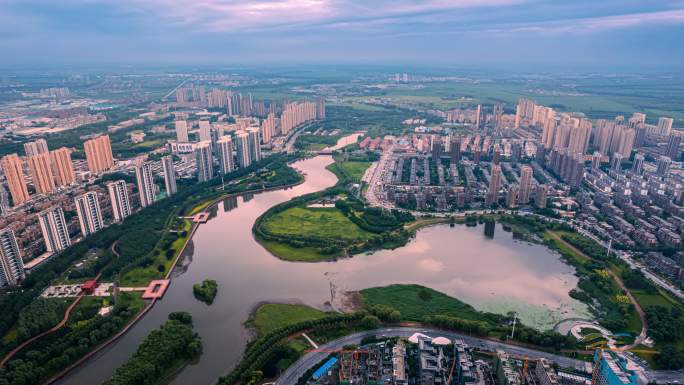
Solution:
(489, 32)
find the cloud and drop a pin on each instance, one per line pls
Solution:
(374, 30)
(256, 15)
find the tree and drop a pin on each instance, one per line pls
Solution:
(370, 322)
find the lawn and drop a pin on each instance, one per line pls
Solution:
(271, 316)
(315, 222)
(414, 302)
(565, 250)
(355, 169)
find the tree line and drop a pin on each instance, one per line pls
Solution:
(161, 351)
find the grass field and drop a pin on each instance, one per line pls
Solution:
(296, 254)
(361, 106)
(271, 316)
(316, 222)
(355, 169)
(141, 276)
(414, 302)
(565, 250)
(598, 98)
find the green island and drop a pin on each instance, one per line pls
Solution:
(161, 353)
(144, 247)
(330, 224)
(205, 291)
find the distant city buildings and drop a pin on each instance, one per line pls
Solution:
(295, 114)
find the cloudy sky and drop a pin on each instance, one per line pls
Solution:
(469, 33)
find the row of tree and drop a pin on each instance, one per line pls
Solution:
(138, 237)
(51, 354)
(263, 350)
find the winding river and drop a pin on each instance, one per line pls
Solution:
(492, 272)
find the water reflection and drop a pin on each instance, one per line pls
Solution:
(489, 228)
(492, 272)
(230, 203)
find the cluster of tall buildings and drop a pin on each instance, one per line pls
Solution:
(565, 138)
(49, 170)
(295, 114)
(234, 103)
(244, 138)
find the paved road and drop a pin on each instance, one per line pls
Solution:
(375, 185)
(294, 372)
(642, 316)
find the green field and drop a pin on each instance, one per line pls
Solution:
(355, 169)
(414, 302)
(315, 222)
(271, 316)
(600, 97)
(296, 254)
(141, 276)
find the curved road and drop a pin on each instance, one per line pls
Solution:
(642, 316)
(294, 372)
(311, 359)
(61, 323)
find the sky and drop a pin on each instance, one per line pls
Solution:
(588, 34)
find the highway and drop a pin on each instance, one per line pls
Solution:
(311, 359)
(174, 89)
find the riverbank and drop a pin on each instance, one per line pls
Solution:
(298, 231)
(161, 239)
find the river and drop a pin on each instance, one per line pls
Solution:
(492, 272)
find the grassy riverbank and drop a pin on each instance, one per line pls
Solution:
(271, 316)
(142, 248)
(414, 302)
(296, 231)
(161, 353)
(280, 326)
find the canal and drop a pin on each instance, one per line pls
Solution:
(492, 272)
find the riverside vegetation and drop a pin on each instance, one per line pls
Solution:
(160, 353)
(148, 242)
(294, 231)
